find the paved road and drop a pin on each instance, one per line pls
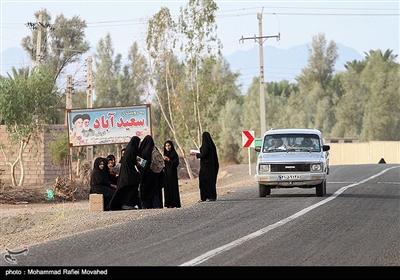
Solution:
(356, 224)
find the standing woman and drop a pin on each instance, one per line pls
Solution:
(209, 167)
(99, 182)
(151, 182)
(171, 187)
(126, 196)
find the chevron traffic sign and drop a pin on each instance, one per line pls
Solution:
(248, 138)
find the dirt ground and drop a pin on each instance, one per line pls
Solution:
(63, 190)
(27, 217)
(39, 194)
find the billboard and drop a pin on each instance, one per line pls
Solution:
(103, 126)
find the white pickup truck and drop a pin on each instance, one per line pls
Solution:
(292, 158)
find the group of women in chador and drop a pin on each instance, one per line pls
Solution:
(139, 187)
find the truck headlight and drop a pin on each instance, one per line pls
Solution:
(263, 168)
(317, 167)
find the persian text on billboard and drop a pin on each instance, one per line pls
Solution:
(102, 126)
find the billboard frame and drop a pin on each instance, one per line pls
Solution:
(108, 125)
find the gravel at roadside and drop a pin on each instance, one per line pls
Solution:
(33, 223)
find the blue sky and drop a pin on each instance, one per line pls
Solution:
(361, 25)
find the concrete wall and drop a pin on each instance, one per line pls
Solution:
(364, 153)
(37, 160)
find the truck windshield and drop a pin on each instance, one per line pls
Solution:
(291, 142)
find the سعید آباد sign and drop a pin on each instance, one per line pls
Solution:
(103, 126)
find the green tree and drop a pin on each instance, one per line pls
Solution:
(133, 84)
(197, 24)
(381, 118)
(355, 65)
(321, 64)
(315, 84)
(218, 85)
(59, 149)
(166, 79)
(107, 72)
(250, 118)
(229, 137)
(61, 43)
(28, 102)
(351, 106)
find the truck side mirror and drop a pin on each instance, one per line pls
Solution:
(326, 148)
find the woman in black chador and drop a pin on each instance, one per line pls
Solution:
(126, 196)
(209, 167)
(151, 183)
(171, 187)
(99, 182)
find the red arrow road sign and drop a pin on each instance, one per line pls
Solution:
(248, 139)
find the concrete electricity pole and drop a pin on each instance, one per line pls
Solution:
(39, 39)
(260, 39)
(38, 26)
(68, 97)
(89, 99)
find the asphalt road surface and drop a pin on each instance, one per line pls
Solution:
(357, 223)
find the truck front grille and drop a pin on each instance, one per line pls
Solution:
(290, 167)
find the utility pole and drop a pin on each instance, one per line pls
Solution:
(89, 100)
(38, 26)
(39, 39)
(89, 83)
(261, 39)
(68, 97)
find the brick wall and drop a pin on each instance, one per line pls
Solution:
(39, 168)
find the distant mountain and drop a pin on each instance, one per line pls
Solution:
(280, 64)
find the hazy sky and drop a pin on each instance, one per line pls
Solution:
(362, 25)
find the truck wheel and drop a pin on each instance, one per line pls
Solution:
(320, 189)
(264, 190)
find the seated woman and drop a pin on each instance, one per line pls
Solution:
(112, 173)
(99, 182)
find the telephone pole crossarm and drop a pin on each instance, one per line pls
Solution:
(278, 37)
(260, 39)
(257, 38)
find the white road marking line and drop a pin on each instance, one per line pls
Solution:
(260, 232)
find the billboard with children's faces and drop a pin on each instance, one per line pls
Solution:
(102, 126)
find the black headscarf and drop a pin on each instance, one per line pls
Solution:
(98, 176)
(96, 165)
(128, 179)
(172, 154)
(146, 148)
(128, 174)
(111, 176)
(150, 184)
